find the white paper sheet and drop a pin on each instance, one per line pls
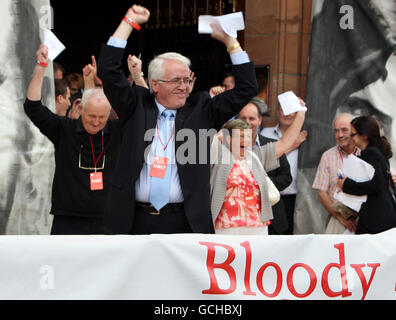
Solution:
(230, 23)
(359, 171)
(55, 47)
(290, 103)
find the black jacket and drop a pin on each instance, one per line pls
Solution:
(378, 213)
(281, 177)
(138, 113)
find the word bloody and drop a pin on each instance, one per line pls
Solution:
(227, 267)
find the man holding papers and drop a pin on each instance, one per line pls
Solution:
(327, 173)
(287, 111)
(165, 110)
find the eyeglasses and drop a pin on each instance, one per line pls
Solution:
(353, 134)
(89, 168)
(178, 81)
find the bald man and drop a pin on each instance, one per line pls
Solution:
(331, 161)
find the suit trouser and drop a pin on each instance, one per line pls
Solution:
(171, 221)
(279, 224)
(69, 225)
(289, 201)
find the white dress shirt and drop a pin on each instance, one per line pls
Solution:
(292, 157)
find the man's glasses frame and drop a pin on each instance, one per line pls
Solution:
(178, 81)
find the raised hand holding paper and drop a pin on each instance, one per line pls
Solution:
(230, 23)
(290, 103)
(55, 47)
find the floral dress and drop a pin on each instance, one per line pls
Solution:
(242, 203)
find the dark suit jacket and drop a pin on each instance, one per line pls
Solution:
(138, 113)
(281, 177)
(378, 213)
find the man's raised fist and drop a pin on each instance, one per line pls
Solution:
(138, 14)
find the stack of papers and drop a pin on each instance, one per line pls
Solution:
(230, 23)
(360, 171)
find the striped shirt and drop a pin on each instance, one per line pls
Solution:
(326, 174)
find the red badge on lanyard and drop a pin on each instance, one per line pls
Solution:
(96, 178)
(160, 164)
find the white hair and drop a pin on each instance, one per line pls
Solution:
(97, 93)
(156, 70)
(342, 115)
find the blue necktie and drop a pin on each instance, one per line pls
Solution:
(160, 188)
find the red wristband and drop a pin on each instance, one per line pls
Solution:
(131, 23)
(42, 64)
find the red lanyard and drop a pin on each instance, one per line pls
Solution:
(93, 154)
(159, 137)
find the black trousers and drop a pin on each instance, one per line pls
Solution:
(289, 201)
(171, 221)
(69, 225)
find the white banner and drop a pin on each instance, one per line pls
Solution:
(197, 266)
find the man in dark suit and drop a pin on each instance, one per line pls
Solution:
(281, 177)
(161, 125)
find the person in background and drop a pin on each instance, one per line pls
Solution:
(62, 97)
(76, 83)
(59, 71)
(378, 213)
(228, 84)
(326, 177)
(288, 195)
(281, 176)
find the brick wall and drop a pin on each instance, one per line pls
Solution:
(277, 34)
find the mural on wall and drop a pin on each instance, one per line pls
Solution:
(352, 68)
(26, 156)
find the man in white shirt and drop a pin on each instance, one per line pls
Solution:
(133, 205)
(288, 195)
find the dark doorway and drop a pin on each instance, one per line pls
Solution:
(84, 26)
